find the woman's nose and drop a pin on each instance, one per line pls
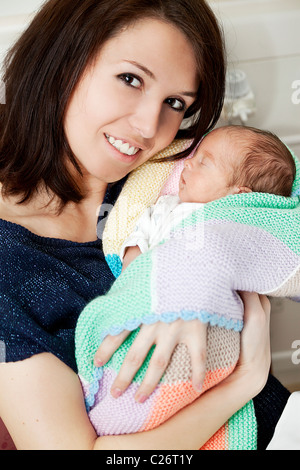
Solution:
(146, 119)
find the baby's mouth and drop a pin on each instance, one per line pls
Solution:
(122, 146)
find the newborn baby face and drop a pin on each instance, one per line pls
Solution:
(205, 176)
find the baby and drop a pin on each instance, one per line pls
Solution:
(229, 160)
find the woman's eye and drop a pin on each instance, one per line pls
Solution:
(131, 80)
(176, 104)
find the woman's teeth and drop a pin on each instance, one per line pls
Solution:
(123, 147)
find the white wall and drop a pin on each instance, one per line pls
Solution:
(263, 39)
(18, 7)
(14, 15)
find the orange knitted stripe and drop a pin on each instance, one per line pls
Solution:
(173, 397)
(218, 441)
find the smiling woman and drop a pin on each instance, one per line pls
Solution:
(87, 84)
(93, 90)
(66, 47)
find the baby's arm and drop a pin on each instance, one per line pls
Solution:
(138, 240)
(147, 226)
(131, 253)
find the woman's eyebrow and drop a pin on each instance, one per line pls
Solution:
(141, 67)
(150, 74)
(192, 94)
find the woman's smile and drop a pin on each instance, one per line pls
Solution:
(121, 150)
(122, 146)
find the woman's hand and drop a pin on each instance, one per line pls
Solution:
(193, 425)
(255, 356)
(165, 336)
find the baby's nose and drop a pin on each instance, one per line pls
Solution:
(188, 163)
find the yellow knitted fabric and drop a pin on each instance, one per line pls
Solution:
(148, 180)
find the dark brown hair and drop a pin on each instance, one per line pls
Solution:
(47, 62)
(267, 164)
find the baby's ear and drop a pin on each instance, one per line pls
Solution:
(240, 190)
(245, 189)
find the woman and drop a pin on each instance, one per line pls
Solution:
(93, 90)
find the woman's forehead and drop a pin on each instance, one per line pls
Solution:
(159, 47)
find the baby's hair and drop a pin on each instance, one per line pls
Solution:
(267, 164)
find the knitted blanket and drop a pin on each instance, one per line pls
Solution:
(245, 242)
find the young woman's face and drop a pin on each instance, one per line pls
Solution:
(131, 100)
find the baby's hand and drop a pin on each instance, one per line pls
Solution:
(165, 336)
(130, 254)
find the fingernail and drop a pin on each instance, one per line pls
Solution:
(98, 363)
(141, 398)
(116, 392)
(199, 387)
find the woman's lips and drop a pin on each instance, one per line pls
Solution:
(122, 146)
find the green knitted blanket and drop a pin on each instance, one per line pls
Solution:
(246, 242)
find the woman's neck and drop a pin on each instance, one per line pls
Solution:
(76, 222)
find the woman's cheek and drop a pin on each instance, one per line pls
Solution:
(170, 128)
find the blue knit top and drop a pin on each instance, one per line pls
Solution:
(44, 285)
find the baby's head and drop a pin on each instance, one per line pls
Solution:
(237, 159)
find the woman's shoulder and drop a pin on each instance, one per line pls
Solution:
(12, 235)
(8, 232)
(15, 254)
(9, 226)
